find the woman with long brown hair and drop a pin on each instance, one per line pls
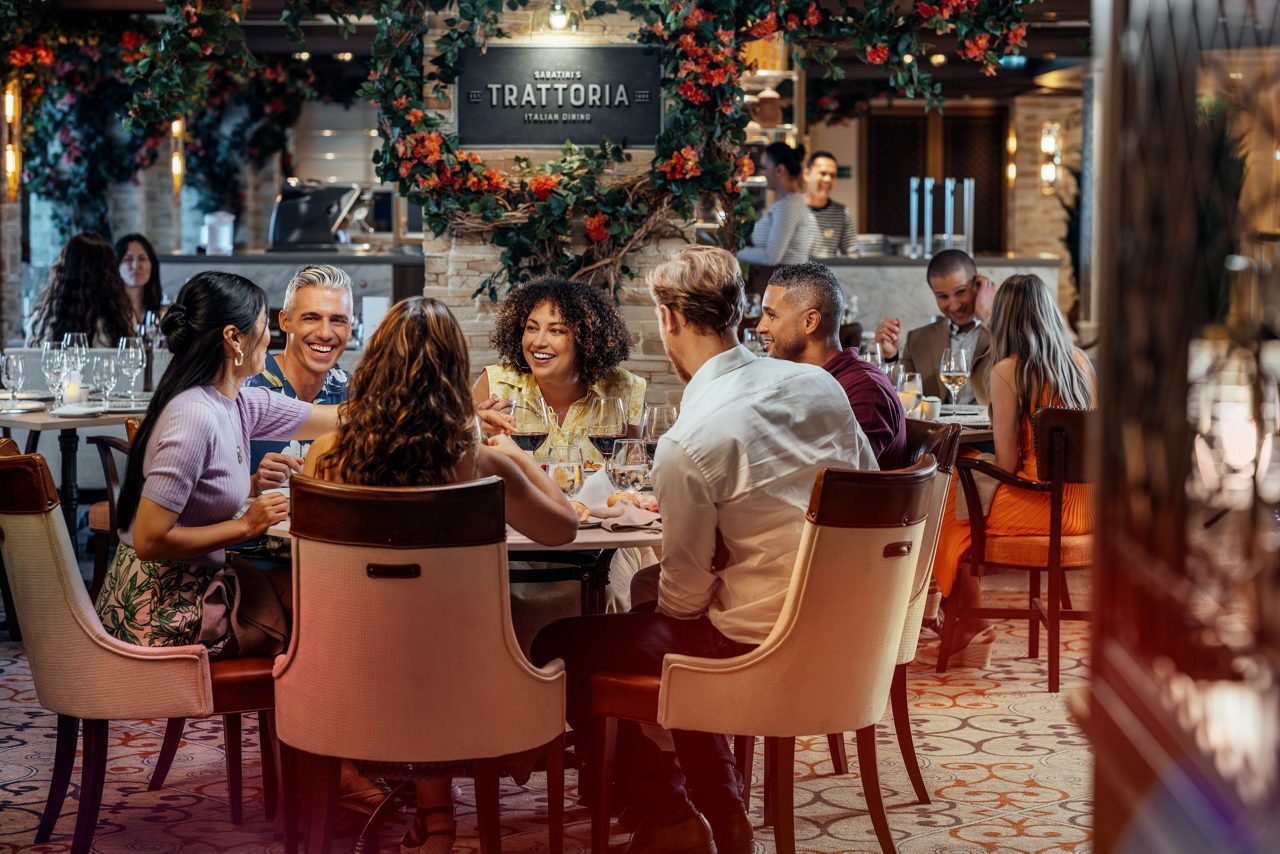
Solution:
(85, 294)
(410, 421)
(1036, 365)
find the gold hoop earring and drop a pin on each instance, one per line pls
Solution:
(239, 358)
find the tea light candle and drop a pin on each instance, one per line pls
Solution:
(73, 392)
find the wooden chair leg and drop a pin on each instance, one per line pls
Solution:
(555, 794)
(324, 772)
(949, 617)
(289, 795)
(744, 753)
(902, 726)
(1033, 624)
(486, 774)
(782, 752)
(606, 733)
(1056, 583)
(267, 750)
(92, 774)
(64, 757)
(231, 731)
(871, 786)
(769, 800)
(168, 749)
(1066, 593)
(839, 759)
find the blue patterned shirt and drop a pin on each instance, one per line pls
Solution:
(334, 391)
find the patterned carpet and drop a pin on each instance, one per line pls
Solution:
(1007, 768)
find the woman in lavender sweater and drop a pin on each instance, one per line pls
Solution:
(188, 479)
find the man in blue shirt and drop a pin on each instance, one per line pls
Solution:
(317, 318)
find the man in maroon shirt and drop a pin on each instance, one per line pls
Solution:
(801, 323)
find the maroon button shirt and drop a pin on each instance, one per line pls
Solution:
(875, 404)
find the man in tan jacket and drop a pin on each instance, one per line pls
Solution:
(964, 299)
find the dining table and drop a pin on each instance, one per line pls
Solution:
(40, 420)
(585, 560)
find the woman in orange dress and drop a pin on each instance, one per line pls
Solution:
(1036, 365)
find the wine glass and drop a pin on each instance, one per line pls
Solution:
(132, 354)
(529, 411)
(12, 374)
(953, 370)
(76, 347)
(910, 390)
(659, 418)
(564, 467)
(875, 356)
(53, 364)
(104, 375)
(606, 424)
(628, 465)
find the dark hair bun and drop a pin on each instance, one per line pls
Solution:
(177, 331)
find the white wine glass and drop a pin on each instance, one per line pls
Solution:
(104, 373)
(953, 370)
(132, 355)
(875, 356)
(529, 412)
(606, 424)
(564, 467)
(12, 373)
(910, 390)
(629, 465)
(53, 364)
(76, 347)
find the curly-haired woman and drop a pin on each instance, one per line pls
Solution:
(410, 422)
(563, 340)
(84, 294)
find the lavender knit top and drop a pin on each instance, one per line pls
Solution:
(190, 464)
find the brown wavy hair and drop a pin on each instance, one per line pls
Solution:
(409, 417)
(85, 294)
(600, 337)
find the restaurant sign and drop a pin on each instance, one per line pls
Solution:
(513, 96)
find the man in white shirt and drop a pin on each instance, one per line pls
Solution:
(733, 478)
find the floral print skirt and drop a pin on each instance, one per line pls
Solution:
(156, 602)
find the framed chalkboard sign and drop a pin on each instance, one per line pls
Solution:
(515, 96)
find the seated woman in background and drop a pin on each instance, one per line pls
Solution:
(188, 479)
(140, 271)
(564, 341)
(1036, 365)
(84, 294)
(410, 421)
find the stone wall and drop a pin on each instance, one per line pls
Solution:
(1037, 222)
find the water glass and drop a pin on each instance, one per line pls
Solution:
(629, 465)
(875, 356)
(910, 390)
(76, 347)
(132, 355)
(53, 363)
(564, 467)
(12, 375)
(104, 375)
(659, 418)
(606, 424)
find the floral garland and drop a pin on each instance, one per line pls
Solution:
(74, 87)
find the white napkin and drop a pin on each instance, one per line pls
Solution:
(596, 489)
(626, 517)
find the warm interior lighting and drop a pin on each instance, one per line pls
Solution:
(178, 167)
(938, 59)
(178, 128)
(329, 155)
(1048, 139)
(11, 171)
(1050, 157)
(557, 16)
(1012, 172)
(1048, 172)
(326, 133)
(13, 140)
(1011, 142)
(302, 55)
(10, 103)
(344, 56)
(907, 59)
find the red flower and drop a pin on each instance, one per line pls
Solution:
(683, 164)
(401, 103)
(926, 11)
(44, 56)
(989, 69)
(765, 27)
(746, 167)
(976, 47)
(595, 228)
(1017, 35)
(415, 116)
(696, 16)
(693, 93)
(131, 40)
(543, 186)
(20, 56)
(657, 29)
(793, 22)
(813, 17)
(494, 180)
(877, 54)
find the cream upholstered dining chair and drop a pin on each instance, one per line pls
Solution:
(85, 675)
(1060, 444)
(402, 648)
(942, 441)
(849, 592)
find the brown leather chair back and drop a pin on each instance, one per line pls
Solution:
(932, 437)
(863, 499)
(131, 428)
(1066, 431)
(26, 486)
(8, 448)
(415, 517)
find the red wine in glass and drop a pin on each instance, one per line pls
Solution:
(604, 444)
(651, 448)
(529, 441)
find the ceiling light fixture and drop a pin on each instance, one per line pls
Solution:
(938, 60)
(344, 56)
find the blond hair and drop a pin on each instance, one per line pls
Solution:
(704, 284)
(324, 276)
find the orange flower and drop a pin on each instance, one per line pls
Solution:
(877, 54)
(595, 228)
(693, 93)
(1017, 34)
(543, 186)
(494, 180)
(975, 47)
(415, 117)
(696, 16)
(813, 16)
(401, 103)
(746, 167)
(766, 27)
(683, 164)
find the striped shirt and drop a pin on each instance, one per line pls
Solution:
(836, 232)
(784, 235)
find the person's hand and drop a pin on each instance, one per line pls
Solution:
(505, 445)
(493, 416)
(265, 511)
(275, 469)
(985, 299)
(888, 334)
